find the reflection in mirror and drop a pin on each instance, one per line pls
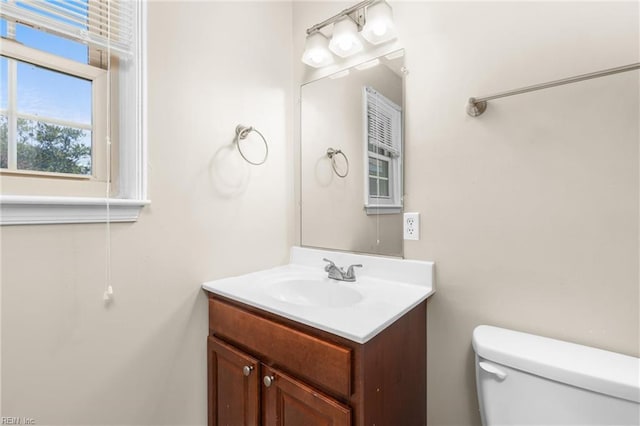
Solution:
(352, 157)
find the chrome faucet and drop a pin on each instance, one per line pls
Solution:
(339, 274)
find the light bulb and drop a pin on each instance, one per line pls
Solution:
(345, 40)
(379, 29)
(345, 43)
(316, 53)
(316, 56)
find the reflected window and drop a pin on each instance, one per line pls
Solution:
(383, 130)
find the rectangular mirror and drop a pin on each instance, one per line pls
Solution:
(352, 158)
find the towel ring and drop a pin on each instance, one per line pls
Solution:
(331, 153)
(241, 133)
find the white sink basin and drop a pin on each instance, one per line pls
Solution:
(384, 290)
(313, 292)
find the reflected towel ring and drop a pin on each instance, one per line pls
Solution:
(241, 133)
(331, 153)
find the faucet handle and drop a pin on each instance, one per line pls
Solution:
(330, 265)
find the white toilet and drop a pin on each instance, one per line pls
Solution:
(524, 379)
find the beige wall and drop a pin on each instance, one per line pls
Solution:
(530, 211)
(66, 359)
(332, 209)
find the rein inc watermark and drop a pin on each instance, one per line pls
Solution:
(4, 420)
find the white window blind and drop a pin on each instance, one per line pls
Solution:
(383, 122)
(102, 24)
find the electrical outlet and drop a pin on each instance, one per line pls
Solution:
(411, 226)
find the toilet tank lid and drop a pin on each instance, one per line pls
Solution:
(598, 370)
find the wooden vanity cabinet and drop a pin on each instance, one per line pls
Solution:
(312, 377)
(236, 394)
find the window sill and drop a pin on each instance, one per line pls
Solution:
(382, 209)
(39, 210)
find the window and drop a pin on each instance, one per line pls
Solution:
(46, 114)
(383, 139)
(71, 113)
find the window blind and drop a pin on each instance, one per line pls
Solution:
(383, 122)
(102, 24)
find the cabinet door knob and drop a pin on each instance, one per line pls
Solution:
(247, 369)
(268, 380)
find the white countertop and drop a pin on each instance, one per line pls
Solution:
(385, 289)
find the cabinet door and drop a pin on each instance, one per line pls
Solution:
(234, 386)
(288, 402)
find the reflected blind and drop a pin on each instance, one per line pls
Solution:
(383, 122)
(100, 24)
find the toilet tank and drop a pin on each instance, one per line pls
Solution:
(523, 379)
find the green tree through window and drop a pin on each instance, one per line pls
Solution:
(47, 147)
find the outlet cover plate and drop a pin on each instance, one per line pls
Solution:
(411, 226)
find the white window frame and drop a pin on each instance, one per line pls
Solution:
(16, 52)
(132, 174)
(391, 204)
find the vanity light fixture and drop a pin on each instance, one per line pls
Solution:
(316, 51)
(345, 40)
(379, 26)
(372, 18)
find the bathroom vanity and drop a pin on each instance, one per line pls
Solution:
(281, 354)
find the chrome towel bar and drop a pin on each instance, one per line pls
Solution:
(476, 106)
